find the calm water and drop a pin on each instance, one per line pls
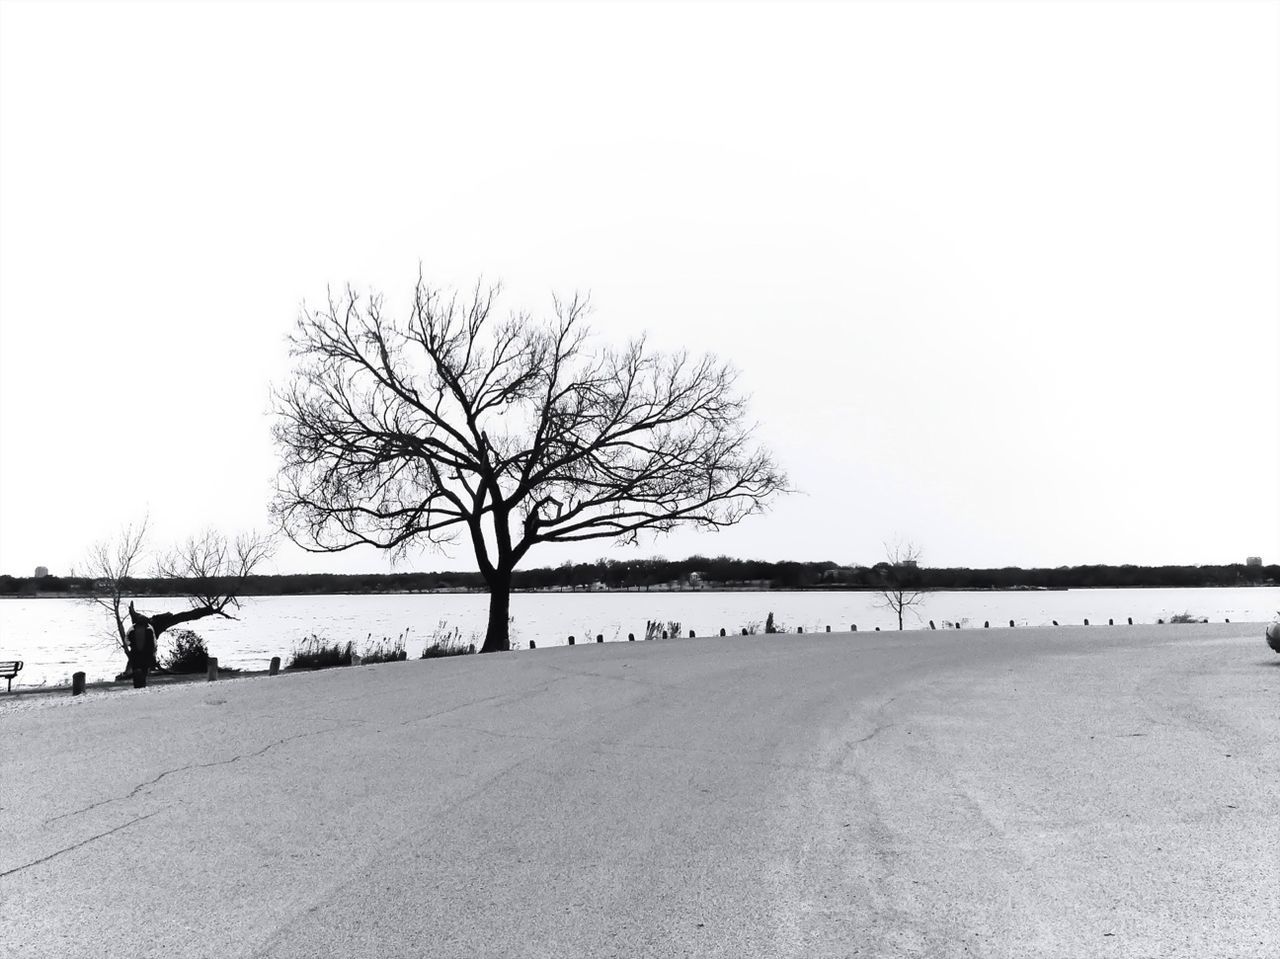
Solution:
(56, 637)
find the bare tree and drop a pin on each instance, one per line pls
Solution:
(210, 567)
(110, 566)
(402, 431)
(899, 578)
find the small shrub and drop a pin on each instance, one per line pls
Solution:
(1187, 618)
(752, 627)
(187, 652)
(384, 651)
(316, 653)
(437, 650)
(446, 642)
(654, 628)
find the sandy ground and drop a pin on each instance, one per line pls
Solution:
(1075, 792)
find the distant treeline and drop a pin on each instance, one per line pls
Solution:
(696, 572)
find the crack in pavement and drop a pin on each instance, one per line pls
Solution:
(83, 842)
(315, 899)
(873, 734)
(177, 769)
(615, 747)
(513, 697)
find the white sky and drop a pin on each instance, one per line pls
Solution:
(1003, 279)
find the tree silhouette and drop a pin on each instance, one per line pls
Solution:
(400, 432)
(899, 580)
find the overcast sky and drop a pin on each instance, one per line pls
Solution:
(1003, 279)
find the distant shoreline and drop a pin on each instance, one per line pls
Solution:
(650, 590)
(690, 575)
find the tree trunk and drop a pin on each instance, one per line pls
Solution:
(497, 638)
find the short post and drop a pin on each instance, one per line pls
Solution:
(1110, 622)
(986, 624)
(570, 640)
(1086, 620)
(1226, 620)
(692, 634)
(722, 632)
(1130, 620)
(744, 630)
(213, 668)
(533, 644)
(664, 634)
(931, 626)
(1055, 622)
(877, 629)
(599, 637)
(471, 648)
(275, 666)
(799, 629)
(631, 637)
(853, 627)
(828, 629)
(77, 684)
(1010, 624)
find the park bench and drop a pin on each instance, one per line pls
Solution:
(9, 670)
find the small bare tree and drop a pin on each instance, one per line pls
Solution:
(396, 432)
(110, 567)
(899, 578)
(211, 568)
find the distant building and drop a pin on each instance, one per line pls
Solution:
(42, 571)
(1253, 560)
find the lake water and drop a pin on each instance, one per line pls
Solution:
(56, 637)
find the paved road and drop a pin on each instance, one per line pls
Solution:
(1074, 792)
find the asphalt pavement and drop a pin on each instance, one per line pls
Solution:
(1072, 792)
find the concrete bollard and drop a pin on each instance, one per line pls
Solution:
(828, 629)
(957, 625)
(213, 668)
(1130, 620)
(1226, 620)
(1010, 624)
(931, 626)
(533, 644)
(853, 627)
(1055, 622)
(599, 637)
(877, 629)
(275, 666)
(799, 629)
(570, 640)
(986, 624)
(471, 648)
(77, 684)
(722, 632)
(631, 637)
(1111, 622)
(1086, 620)
(744, 630)
(692, 634)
